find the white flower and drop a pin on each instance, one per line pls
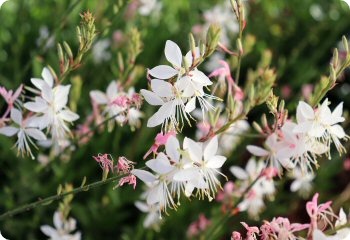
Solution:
(149, 7)
(152, 219)
(253, 200)
(62, 230)
(24, 132)
(205, 165)
(100, 52)
(158, 192)
(177, 100)
(343, 232)
(51, 106)
(270, 153)
(302, 182)
(321, 124)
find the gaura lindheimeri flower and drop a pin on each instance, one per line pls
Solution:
(253, 201)
(51, 109)
(322, 124)
(203, 169)
(24, 132)
(9, 96)
(152, 219)
(158, 191)
(178, 96)
(320, 214)
(63, 228)
(302, 182)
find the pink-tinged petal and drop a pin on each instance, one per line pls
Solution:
(37, 82)
(112, 90)
(159, 165)
(161, 115)
(161, 88)
(39, 105)
(216, 162)
(144, 176)
(68, 115)
(257, 151)
(210, 148)
(99, 97)
(36, 134)
(338, 131)
(186, 174)
(16, 116)
(8, 131)
(191, 105)
(194, 149)
(61, 96)
(239, 173)
(47, 76)
(17, 93)
(173, 53)
(48, 230)
(306, 111)
(163, 72)
(151, 97)
(172, 147)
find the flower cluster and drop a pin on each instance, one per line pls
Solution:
(257, 180)
(177, 88)
(298, 144)
(180, 171)
(321, 216)
(117, 104)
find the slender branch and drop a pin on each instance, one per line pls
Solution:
(30, 206)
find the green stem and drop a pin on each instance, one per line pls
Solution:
(214, 230)
(48, 200)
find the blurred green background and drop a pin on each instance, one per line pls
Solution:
(300, 34)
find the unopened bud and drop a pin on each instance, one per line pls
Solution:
(68, 50)
(345, 44)
(60, 53)
(257, 127)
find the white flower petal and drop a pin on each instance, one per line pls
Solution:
(46, 93)
(161, 115)
(154, 195)
(99, 97)
(145, 176)
(68, 115)
(57, 221)
(161, 88)
(38, 106)
(295, 186)
(159, 165)
(172, 147)
(112, 90)
(48, 230)
(194, 149)
(36, 134)
(210, 148)
(338, 131)
(61, 96)
(151, 97)
(191, 105)
(216, 162)
(47, 76)
(143, 207)
(37, 82)
(16, 116)
(186, 174)
(201, 78)
(163, 72)
(8, 131)
(257, 151)
(173, 53)
(239, 173)
(305, 110)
